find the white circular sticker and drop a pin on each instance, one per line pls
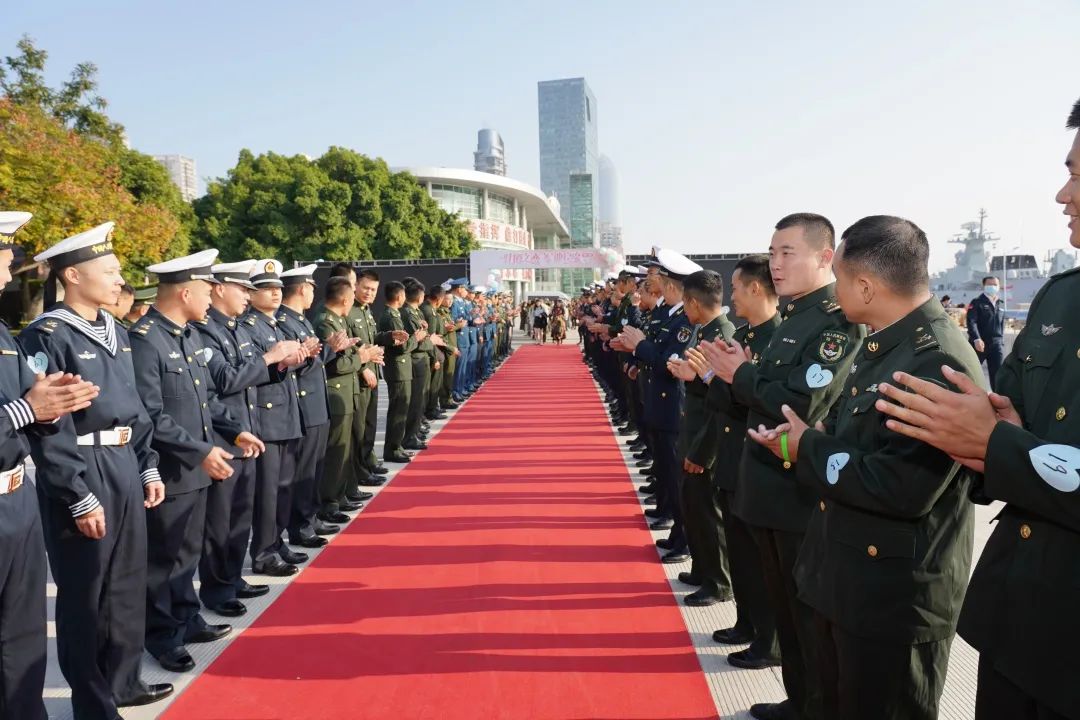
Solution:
(1057, 465)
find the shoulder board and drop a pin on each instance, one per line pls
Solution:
(830, 306)
(924, 340)
(250, 320)
(282, 317)
(141, 329)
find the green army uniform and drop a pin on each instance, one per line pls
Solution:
(754, 614)
(804, 367)
(1020, 612)
(399, 373)
(446, 390)
(423, 355)
(703, 523)
(435, 377)
(342, 390)
(362, 325)
(888, 549)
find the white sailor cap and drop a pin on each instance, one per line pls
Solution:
(93, 243)
(675, 265)
(266, 274)
(237, 272)
(299, 275)
(196, 266)
(446, 286)
(10, 221)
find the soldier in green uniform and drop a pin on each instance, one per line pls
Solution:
(429, 310)
(888, 550)
(703, 523)
(1021, 606)
(423, 355)
(804, 367)
(366, 467)
(753, 298)
(450, 335)
(398, 373)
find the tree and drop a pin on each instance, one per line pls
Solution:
(341, 206)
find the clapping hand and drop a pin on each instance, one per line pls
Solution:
(772, 439)
(400, 337)
(725, 358)
(681, 370)
(631, 337)
(58, 394)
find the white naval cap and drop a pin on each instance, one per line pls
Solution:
(10, 221)
(675, 265)
(93, 243)
(299, 275)
(196, 266)
(237, 272)
(266, 274)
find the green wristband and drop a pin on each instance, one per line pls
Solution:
(784, 451)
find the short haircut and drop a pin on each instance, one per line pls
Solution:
(988, 277)
(289, 290)
(338, 288)
(706, 287)
(392, 289)
(342, 269)
(755, 268)
(127, 290)
(414, 289)
(1073, 123)
(946, 298)
(435, 292)
(368, 274)
(891, 248)
(819, 232)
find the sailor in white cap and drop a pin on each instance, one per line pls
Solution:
(177, 389)
(236, 366)
(298, 295)
(96, 470)
(39, 399)
(277, 411)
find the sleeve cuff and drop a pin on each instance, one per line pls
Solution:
(150, 475)
(20, 413)
(85, 506)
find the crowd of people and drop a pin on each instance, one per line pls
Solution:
(220, 417)
(819, 463)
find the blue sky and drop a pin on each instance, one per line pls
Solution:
(720, 116)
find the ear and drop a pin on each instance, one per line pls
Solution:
(867, 289)
(827, 256)
(70, 275)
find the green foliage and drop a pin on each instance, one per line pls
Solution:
(341, 206)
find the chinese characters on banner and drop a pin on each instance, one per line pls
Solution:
(486, 230)
(482, 262)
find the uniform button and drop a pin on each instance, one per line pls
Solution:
(196, 381)
(750, 335)
(303, 393)
(205, 429)
(269, 405)
(204, 405)
(337, 385)
(663, 395)
(872, 346)
(822, 505)
(727, 428)
(250, 406)
(1060, 414)
(189, 358)
(854, 392)
(790, 307)
(777, 362)
(1025, 531)
(872, 551)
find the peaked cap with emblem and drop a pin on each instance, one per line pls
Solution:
(88, 245)
(299, 275)
(10, 222)
(237, 272)
(266, 274)
(185, 269)
(675, 265)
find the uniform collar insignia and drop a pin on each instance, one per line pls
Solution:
(105, 335)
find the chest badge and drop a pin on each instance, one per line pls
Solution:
(87, 355)
(1050, 329)
(832, 347)
(684, 335)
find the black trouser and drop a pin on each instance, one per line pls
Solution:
(22, 606)
(228, 529)
(174, 531)
(627, 387)
(421, 377)
(310, 460)
(753, 613)
(997, 698)
(101, 586)
(870, 678)
(341, 446)
(276, 470)
(993, 356)
(703, 524)
(397, 413)
(795, 628)
(668, 474)
(435, 385)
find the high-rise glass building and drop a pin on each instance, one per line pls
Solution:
(182, 173)
(568, 140)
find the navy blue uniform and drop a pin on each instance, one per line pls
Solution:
(101, 584)
(986, 322)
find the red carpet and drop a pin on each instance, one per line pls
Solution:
(505, 573)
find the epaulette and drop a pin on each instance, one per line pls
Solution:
(49, 325)
(282, 317)
(204, 321)
(250, 320)
(829, 305)
(924, 339)
(142, 326)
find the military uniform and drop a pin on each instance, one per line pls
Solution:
(173, 381)
(346, 416)
(362, 325)
(97, 457)
(703, 521)
(887, 553)
(398, 372)
(421, 360)
(236, 368)
(754, 614)
(448, 389)
(435, 327)
(459, 311)
(804, 367)
(1023, 597)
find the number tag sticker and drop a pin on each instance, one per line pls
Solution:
(818, 377)
(38, 363)
(833, 466)
(1057, 465)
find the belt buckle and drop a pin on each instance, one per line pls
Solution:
(16, 479)
(123, 436)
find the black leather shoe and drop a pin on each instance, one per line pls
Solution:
(702, 597)
(176, 660)
(650, 501)
(275, 568)
(359, 497)
(151, 694)
(248, 591)
(375, 480)
(291, 557)
(647, 489)
(310, 542)
(654, 513)
(452, 405)
(322, 528)
(415, 446)
(674, 557)
(773, 711)
(688, 578)
(662, 524)
(643, 464)
(732, 636)
(438, 416)
(626, 432)
(664, 543)
(645, 470)
(334, 517)
(643, 456)
(749, 661)
(380, 470)
(398, 458)
(346, 506)
(229, 608)
(210, 633)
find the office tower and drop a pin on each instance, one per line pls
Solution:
(490, 155)
(182, 172)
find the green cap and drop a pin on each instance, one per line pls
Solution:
(146, 294)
